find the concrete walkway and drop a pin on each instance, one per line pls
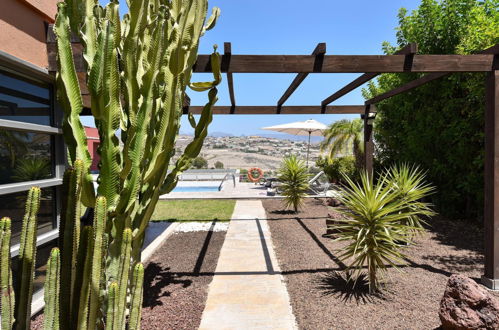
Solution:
(247, 291)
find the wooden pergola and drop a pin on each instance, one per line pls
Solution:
(406, 60)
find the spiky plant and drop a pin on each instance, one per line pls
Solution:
(409, 183)
(30, 169)
(376, 226)
(294, 177)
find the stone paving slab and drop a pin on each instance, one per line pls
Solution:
(248, 291)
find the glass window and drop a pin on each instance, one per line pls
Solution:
(13, 206)
(42, 255)
(24, 101)
(25, 156)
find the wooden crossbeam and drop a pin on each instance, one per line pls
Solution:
(332, 63)
(423, 80)
(407, 87)
(349, 63)
(230, 80)
(319, 52)
(409, 49)
(271, 109)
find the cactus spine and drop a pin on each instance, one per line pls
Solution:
(27, 256)
(6, 290)
(51, 292)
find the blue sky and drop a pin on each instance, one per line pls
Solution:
(293, 27)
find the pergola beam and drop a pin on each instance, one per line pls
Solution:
(230, 80)
(409, 49)
(423, 80)
(407, 87)
(319, 52)
(330, 63)
(349, 63)
(271, 109)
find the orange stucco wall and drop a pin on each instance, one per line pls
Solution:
(23, 28)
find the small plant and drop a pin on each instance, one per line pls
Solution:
(337, 168)
(219, 165)
(199, 162)
(294, 177)
(380, 220)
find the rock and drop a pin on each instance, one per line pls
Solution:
(467, 305)
(333, 202)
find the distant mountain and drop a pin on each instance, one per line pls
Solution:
(313, 139)
(220, 134)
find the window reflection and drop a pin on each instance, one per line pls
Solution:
(13, 206)
(24, 101)
(25, 156)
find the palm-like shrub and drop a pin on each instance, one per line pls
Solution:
(379, 220)
(293, 174)
(345, 137)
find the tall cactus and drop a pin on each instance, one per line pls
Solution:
(27, 258)
(51, 318)
(138, 69)
(6, 289)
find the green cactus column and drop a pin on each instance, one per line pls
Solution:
(51, 291)
(138, 68)
(27, 258)
(6, 289)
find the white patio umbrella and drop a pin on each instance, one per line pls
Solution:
(308, 127)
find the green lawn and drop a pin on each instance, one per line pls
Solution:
(194, 210)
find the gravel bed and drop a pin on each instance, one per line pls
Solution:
(320, 297)
(177, 277)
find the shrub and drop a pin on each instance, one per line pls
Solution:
(337, 168)
(200, 162)
(219, 164)
(294, 176)
(379, 220)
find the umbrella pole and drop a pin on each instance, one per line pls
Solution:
(308, 147)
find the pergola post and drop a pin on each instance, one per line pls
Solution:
(368, 140)
(491, 176)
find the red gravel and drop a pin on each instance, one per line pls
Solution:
(321, 299)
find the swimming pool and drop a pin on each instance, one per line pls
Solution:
(195, 189)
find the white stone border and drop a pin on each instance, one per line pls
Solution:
(154, 245)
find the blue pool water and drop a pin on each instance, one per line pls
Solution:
(195, 189)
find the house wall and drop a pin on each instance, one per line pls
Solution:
(23, 26)
(93, 142)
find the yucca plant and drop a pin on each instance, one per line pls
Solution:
(376, 224)
(409, 183)
(294, 176)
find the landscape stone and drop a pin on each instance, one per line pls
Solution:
(467, 305)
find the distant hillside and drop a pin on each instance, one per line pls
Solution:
(313, 139)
